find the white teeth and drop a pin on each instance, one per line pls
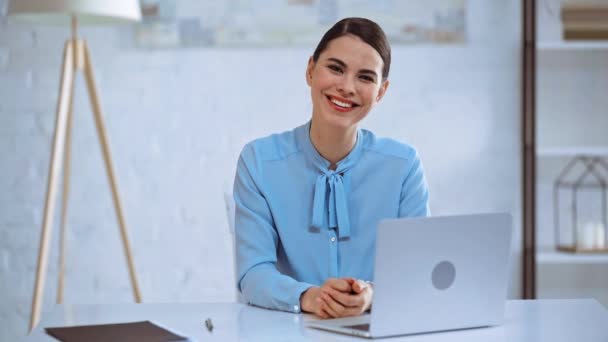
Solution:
(341, 104)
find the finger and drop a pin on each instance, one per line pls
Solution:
(325, 307)
(336, 310)
(350, 280)
(345, 299)
(325, 314)
(320, 312)
(338, 284)
(333, 304)
(359, 286)
(340, 309)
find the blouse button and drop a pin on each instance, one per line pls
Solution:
(333, 239)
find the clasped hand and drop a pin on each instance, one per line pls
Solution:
(336, 298)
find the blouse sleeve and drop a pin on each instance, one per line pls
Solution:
(258, 278)
(414, 190)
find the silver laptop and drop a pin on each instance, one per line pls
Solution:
(435, 274)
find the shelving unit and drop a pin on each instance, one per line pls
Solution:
(572, 151)
(571, 46)
(548, 256)
(571, 119)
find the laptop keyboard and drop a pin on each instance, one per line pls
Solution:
(363, 327)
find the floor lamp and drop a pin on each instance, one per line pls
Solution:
(75, 58)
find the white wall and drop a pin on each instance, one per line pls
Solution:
(177, 120)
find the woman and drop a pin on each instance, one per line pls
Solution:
(308, 200)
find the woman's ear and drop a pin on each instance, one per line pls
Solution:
(382, 90)
(311, 65)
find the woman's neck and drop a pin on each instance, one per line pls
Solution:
(332, 143)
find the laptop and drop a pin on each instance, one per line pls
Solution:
(435, 274)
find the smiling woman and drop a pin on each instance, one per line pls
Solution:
(308, 200)
(346, 80)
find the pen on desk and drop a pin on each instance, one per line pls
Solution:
(209, 324)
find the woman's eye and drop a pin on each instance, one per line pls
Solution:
(367, 78)
(335, 68)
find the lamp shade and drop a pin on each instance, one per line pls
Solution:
(88, 12)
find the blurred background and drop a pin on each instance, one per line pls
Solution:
(184, 90)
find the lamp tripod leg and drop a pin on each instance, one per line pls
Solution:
(65, 95)
(65, 199)
(101, 130)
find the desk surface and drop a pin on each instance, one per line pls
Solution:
(538, 320)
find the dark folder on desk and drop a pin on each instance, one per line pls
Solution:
(121, 332)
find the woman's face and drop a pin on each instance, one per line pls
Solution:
(345, 82)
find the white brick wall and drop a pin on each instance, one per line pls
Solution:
(177, 120)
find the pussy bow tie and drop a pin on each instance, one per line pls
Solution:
(337, 210)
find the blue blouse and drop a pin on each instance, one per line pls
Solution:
(299, 223)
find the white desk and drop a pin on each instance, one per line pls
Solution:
(542, 320)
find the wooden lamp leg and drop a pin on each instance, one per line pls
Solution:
(65, 199)
(65, 95)
(101, 130)
(77, 65)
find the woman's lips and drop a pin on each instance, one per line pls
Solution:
(341, 105)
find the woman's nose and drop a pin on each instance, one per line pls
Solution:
(346, 86)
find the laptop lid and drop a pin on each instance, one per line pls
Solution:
(440, 273)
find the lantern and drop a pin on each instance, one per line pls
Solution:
(580, 204)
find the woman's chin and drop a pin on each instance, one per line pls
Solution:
(338, 120)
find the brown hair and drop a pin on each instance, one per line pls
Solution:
(367, 30)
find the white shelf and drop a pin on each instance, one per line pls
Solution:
(546, 256)
(572, 151)
(572, 46)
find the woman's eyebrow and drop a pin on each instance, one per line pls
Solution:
(342, 64)
(337, 61)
